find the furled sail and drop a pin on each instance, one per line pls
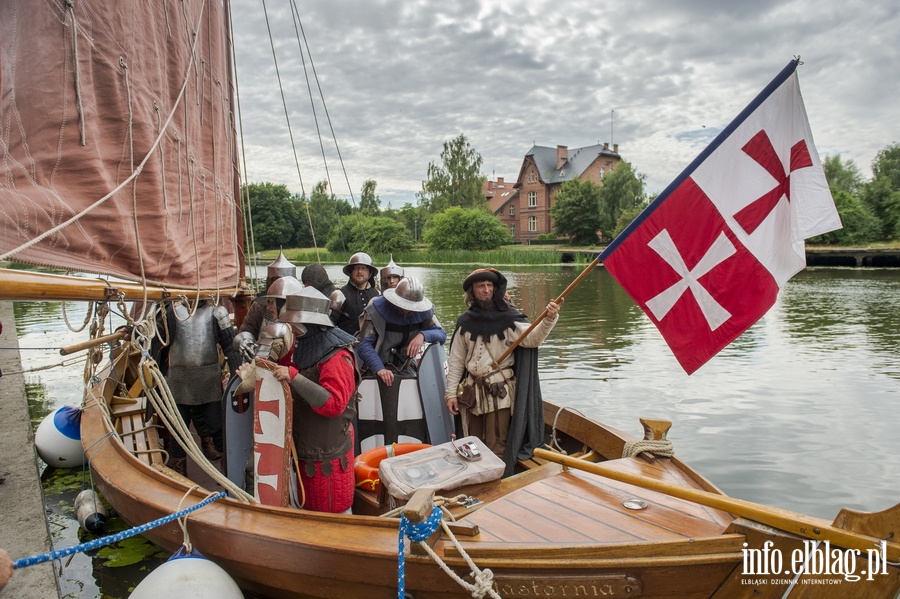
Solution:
(117, 143)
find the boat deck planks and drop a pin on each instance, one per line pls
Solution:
(574, 507)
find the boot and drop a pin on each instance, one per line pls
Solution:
(209, 448)
(179, 465)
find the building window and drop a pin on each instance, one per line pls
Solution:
(602, 170)
(532, 177)
(532, 199)
(512, 210)
(532, 223)
(512, 230)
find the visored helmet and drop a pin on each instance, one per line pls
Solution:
(409, 294)
(283, 287)
(360, 258)
(308, 306)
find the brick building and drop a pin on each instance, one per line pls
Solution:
(524, 207)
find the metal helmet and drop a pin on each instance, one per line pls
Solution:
(283, 287)
(391, 270)
(360, 258)
(409, 294)
(309, 306)
(281, 268)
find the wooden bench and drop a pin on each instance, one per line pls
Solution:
(140, 438)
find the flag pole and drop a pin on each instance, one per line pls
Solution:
(543, 314)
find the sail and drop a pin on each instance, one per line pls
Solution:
(117, 145)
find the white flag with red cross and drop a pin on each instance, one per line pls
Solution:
(706, 259)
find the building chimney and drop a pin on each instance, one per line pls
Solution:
(616, 148)
(562, 155)
(606, 145)
(499, 181)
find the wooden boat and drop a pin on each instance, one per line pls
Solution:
(563, 526)
(548, 531)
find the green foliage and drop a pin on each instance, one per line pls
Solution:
(371, 234)
(546, 237)
(466, 228)
(859, 224)
(626, 217)
(368, 201)
(274, 215)
(456, 181)
(325, 211)
(415, 218)
(882, 195)
(842, 176)
(576, 211)
(623, 189)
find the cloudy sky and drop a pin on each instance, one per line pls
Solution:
(658, 77)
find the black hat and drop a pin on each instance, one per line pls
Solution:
(484, 274)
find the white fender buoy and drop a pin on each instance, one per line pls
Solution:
(186, 575)
(90, 511)
(58, 438)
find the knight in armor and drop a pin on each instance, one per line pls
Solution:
(323, 381)
(256, 317)
(390, 275)
(398, 324)
(268, 306)
(358, 291)
(190, 363)
(314, 275)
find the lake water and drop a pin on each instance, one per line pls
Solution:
(799, 413)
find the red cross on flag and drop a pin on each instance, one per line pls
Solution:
(706, 259)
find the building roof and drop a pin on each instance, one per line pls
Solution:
(579, 159)
(498, 193)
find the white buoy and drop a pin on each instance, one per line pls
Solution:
(58, 438)
(191, 576)
(90, 511)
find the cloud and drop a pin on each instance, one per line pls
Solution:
(659, 78)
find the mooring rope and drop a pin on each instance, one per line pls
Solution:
(108, 540)
(661, 448)
(419, 533)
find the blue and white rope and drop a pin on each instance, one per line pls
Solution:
(416, 533)
(108, 540)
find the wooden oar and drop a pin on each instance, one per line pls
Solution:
(543, 314)
(793, 522)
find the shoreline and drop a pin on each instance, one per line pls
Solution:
(24, 529)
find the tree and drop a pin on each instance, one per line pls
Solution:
(859, 224)
(623, 189)
(882, 194)
(371, 234)
(415, 218)
(368, 201)
(576, 211)
(273, 215)
(466, 229)
(842, 176)
(456, 181)
(325, 211)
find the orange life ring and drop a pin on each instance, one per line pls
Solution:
(366, 465)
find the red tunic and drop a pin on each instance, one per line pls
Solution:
(332, 493)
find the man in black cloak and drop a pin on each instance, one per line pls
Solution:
(500, 403)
